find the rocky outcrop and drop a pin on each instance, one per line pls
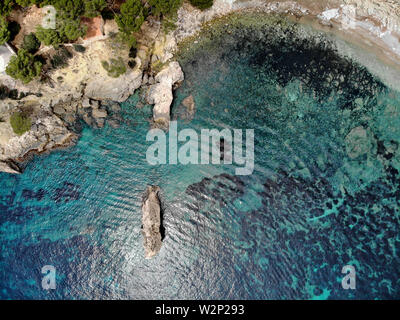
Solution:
(151, 220)
(47, 132)
(160, 94)
(118, 89)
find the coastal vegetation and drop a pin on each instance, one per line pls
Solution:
(4, 31)
(20, 123)
(164, 7)
(115, 67)
(129, 17)
(31, 43)
(24, 66)
(202, 4)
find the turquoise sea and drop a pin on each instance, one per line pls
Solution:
(321, 196)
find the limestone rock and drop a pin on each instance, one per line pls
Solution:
(151, 219)
(47, 132)
(115, 89)
(115, 107)
(160, 94)
(99, 113)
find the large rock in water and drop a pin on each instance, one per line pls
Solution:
(160, 94)
(151, 219)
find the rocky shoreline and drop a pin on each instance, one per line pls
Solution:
(84, 91)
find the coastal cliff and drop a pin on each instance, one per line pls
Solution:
(151, 219)
(83, 88)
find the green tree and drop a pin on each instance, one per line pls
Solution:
(5, 33)
(93, 8)
(71, 30)
(202, 4)
(67, 9)
(132, 16)
(164, 7)
(20, 123)
(24, 66)
(48, 36)
(31, 43)
(6, 7)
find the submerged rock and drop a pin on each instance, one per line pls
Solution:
(358, 142)
(151, 219)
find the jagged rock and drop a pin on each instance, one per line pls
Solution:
(145, 79)
(151, 80)
(86, 103)
(9, 167)
(100, 122)
(88, 119)
(59, 110)
(151, 219)
(172, 73)
(115, 89)
(95, 104)
(47, 132)
(70, 107)
(99, 113)
(113, 123)
(115, 107)
(160, 94)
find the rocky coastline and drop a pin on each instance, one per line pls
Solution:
(84, 91)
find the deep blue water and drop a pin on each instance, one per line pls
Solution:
(285, 232)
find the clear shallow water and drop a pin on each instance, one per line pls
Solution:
(284, 232)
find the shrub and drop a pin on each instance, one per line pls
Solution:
(202, 4)
(31, 43)
(24, 66)
(115, 67)
(60, 59)
(5, 34)
(20, 123)
(127, 39)
(79, 48)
